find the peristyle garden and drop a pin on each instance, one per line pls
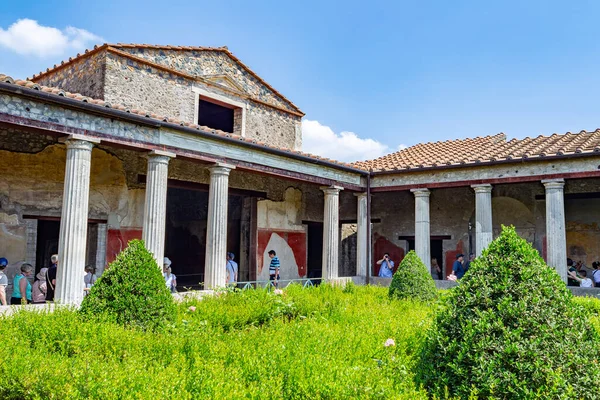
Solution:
(510, 329)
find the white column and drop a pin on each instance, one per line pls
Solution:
(422, 239)
(74, 220)
(155, 208)
(215, 274)
(483, 217)
(556, 237)
(101, 248)
(331, 232)
(361, 234)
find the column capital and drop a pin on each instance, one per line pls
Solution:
(80, 142)
(421, 192)
(553, 183)
(159, 157)
(361, 195)
(161, 153)
(482, 188)
(220, 169)
(331, 190)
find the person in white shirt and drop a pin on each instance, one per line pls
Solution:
(170, 279)
(583, 280)
(232, 269)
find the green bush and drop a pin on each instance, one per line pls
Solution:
(412, 280)
(330, 347)
(131, 292)
(591, 305)
(511, 330)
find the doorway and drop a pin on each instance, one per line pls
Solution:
(47, 242)
(314, 249)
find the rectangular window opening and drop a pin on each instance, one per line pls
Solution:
(216, 115)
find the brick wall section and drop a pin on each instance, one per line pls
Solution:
(85, 76)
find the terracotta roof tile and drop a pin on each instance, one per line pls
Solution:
(482, 150)
(77, 96)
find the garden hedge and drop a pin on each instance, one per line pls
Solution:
(412, 280)
(511, 330)
(131, 292)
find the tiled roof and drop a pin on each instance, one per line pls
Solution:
(488, 149)
(116, 47)
(27, 84)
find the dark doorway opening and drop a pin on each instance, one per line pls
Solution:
(47, 242)
(314, 250)
(185, 239)
(215, 116)
(436, 247)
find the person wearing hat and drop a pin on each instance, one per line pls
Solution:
(232, 269)
(40, 287)
(458, 267)
(170, 279)
(3, 281)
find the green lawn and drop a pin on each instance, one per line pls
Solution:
(308, 343)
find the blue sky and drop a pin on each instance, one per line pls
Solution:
(385, 73)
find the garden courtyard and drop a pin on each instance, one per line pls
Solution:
(325, 342)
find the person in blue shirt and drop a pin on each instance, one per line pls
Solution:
(387, 266)
(232, 269)
(274, 267)
(458, 268)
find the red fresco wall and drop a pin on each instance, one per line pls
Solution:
(117, 241)
(296, 241)
(451, 257)
(381, 246)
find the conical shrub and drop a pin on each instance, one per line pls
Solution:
(412, 280)
(131, 292)
(511, 331)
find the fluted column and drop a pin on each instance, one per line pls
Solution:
(422, 239)
(215, 274)
(155, 208)
(556, 238)
(483, 217)
(361, 234)
(74, 220)
(331, 232)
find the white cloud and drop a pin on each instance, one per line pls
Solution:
(347, 146)
(27, 37)
(402, 147)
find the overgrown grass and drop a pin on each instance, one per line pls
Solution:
(313, 343)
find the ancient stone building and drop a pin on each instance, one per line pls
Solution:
(188, 149)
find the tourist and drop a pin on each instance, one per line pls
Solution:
(51, 278)
(170, 278)
(458, 268)
(39, 288)
(22, 286)
(436, 271)
(232, 269)
(89, 279)
(596, 273)
(3, 281)
(387, 266)
(274, 267)
(584, 281)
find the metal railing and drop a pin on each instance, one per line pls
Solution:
(280, 283)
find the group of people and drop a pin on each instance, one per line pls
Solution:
(43, 287)
(581, 275)
(459, 268)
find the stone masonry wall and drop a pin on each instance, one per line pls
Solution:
(210, 63)
(141, 87)
(85, 76)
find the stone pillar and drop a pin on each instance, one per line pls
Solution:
(215, 274)
(422, 239)
(74, 220)
(101, 248)
(155, 208)
(483, 217)
(331, 232)
(556, 238)
(362, 240)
